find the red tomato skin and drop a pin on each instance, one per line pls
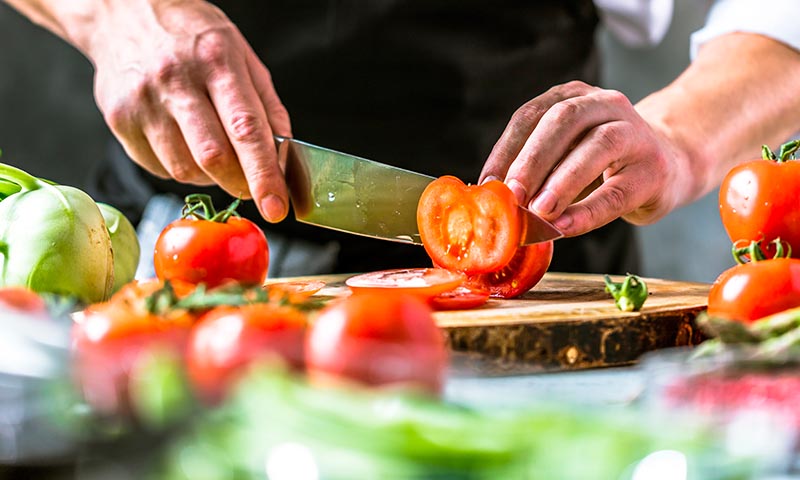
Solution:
(22, 299)
(378, 340)
(461, 298)
(201, 251)
(523, 272)
(758, 200)
(228, 339)
(469, 228)
(754, 290)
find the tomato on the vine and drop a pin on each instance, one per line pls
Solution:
(752, 290)
(377, 339)
(469, 228)
(525, 269)
(228, 339)
(758, 199)
(211, 247)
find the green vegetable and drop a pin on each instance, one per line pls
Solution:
(53, 239)
(124, 243)
(630, 294)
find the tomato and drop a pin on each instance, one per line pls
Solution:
(22, 299)
(377, 339)
(227, 339)
(758, 201)
(110, 337)
(423, 282)
(212, 250)
(753, 290)
(520, 274)
(295, 291)
(461, 298)
(469, 228)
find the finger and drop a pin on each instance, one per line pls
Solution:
(170, 149)
(245, 122)
(138, 149)
(599, 149)
(522, 124)
(208, 144)
(277, 114)
(558, 131)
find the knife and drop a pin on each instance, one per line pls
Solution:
(352, 194)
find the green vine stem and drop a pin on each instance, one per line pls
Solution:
(787, 152)
(753, 252)
(200, 206)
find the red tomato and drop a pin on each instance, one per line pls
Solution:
(202, 251)
(227, 339)
(519, 275)
(377, 339)
(753, 290)
(423, 282)
(21, 299)
(461, 298)
(758, 201)
(469, 228)
(109, 338)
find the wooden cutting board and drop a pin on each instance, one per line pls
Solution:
(566, 322)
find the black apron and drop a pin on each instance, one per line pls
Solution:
(427, 85)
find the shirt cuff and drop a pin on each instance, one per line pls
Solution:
(773, 18)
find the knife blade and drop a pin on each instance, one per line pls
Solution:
(352, 194)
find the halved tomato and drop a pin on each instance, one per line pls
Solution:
(469, 228)
(462, 298)
(421, 282)
(523, 272)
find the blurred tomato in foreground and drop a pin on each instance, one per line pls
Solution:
(377, 339)
(227, 339)
(21, 299)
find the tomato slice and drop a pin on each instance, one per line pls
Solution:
(523, 272)
(296, 291)
(469, 228)
(462, 298)
(422, 282)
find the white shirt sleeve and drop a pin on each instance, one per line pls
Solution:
(774, 18)
(637, 23)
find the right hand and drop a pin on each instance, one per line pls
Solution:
(188, 98)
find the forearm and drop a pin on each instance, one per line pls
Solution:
(72, 20)
(739, 93)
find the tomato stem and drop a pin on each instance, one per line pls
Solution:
(197, 201)
(787, 152)
(630, 294)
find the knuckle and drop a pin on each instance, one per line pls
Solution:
(211, 49)
(616, 97)
(245, 127)
(211, 157)
(182, 172)
(526, 114)
(169, 70)
(614, 200)
(565, 111)
(610, 137)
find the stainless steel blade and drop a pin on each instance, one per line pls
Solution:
(352, 194)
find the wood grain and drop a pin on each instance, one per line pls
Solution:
(566, 322)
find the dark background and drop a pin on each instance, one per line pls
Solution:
(50, 126)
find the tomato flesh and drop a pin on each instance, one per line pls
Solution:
(469, 228)
(461, 298)
(754, 290)
(202, 251)
(520, 274)
(377, 339)
(423, 282)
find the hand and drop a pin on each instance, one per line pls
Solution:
(188, 98)
(582, 156)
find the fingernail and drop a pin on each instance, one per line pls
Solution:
(489, 179)
(518, 190)
(273, 208)
(563, 222)
(544, 203)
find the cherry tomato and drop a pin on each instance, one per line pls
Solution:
(110, 337)
(423, 282)
(211, 248)
(461, 298)
(753, 290)
(469, 228)
(758, 201)
(227, 339)
(377, 339)
(21, 299)
(520, 274)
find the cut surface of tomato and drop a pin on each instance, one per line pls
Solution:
(461, 298)
(469, 228)
(422, 282)
(523, 272)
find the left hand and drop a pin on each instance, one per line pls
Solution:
(575, 137)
